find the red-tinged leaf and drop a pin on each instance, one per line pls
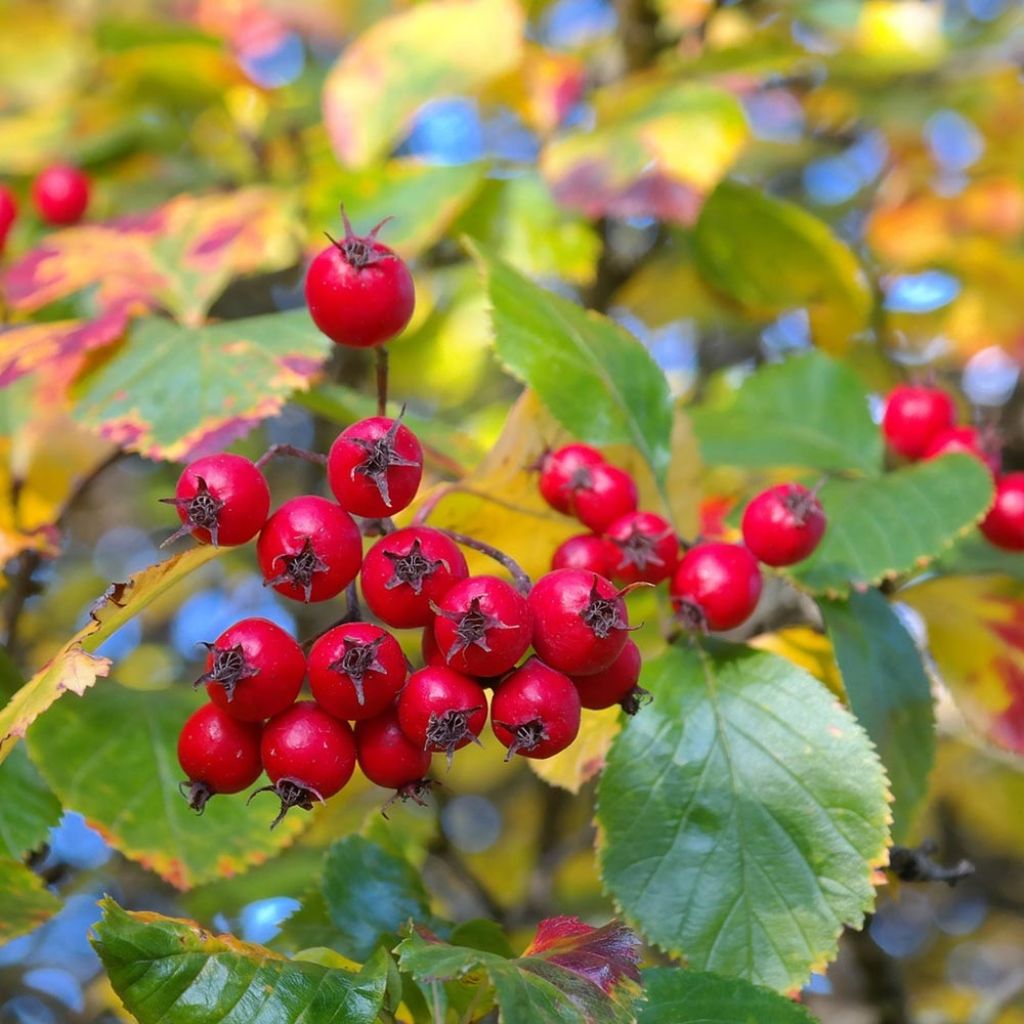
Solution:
(606, 955)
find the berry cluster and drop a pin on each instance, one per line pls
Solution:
(920, 422)
(60, 195)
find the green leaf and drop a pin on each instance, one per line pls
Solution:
(597, 380)
(675, 996)
(810, 411)
(742, 813)
(174, 392)
(28, 809)
(895, 523)
(973, 555)
(770, 256)
(26, 901)
(889, 692)
(165, 968)
(125, 780)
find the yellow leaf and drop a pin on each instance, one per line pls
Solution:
(577, 765)
(808, 649)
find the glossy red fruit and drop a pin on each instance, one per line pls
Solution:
(607, 494)
(966, 440)
(439, 709)
(562, 471)
(914, 417)
(307, 754)
(356, 670)
(407, 571)
(716, 586)
(783, 525)
(218, 753)
(535, 711)
(1004, 524)
(221, 500)
(374, 467)
(586, 551)
(616, 684)
(359, 292)
(8, 213)
(388, 757)
(254, 670)
(309, 549)
(646, 548)
(579, 621)
(61, 194)
(483, 626)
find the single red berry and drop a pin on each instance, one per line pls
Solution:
(535, 711)
(61, 194)
(218, 753)
(221, 500)
(616, 684)
(307, 754)
(716, 586)
(647, 548)
(561, 473)
(390, 759)
(359, 292)
(439, 709)
(586, 551)
(579, 621)
(967, 440)
(254, 670)
(483, 626)
(8, 213)
(407, 571)
(1004, 524)
(783, 524)
(607, 494)
(356, 670)
(309, 549)
(914, 417)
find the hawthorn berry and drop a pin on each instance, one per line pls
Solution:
(535, 711)
(783, 524)
(586, 551)
(439, 709)
(914, 416)
(310, 549)
(388, 758)
(616, 684)
(1004, 524)
(360, 293)
(254, 670)
(221, 500)
(646, 548)
(408, 570)
(8, 213)
(61, 194)
(579, 621)
(563, 471)
(307, 754)
(607, 494)
(483, 626)
(374, 467)
(218, 753)
(716, 586)
(356, 670)
(967, 440)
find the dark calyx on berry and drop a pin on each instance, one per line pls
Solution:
(603, 614)
(291, 793)
(360, 657)
(360, 250)
(447, 730)
(691, 615)
(471, 627)
(525, 736)
(640, 548)
(411, 569)
(299, 569)
(637, 698)
(202, 511)
(197, 794)
(801, 503)
(229, 668)
(414, 791)
(380, 457)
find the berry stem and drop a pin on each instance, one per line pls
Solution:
(290, 450)
(522, 581)
(382, 380)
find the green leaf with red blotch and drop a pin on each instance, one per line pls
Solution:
(26, 901)
(174, 392)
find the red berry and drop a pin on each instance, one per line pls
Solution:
(1004, 524)
(254, 670)
(580, 623)
(61, 194)
(439, 709)
(607, 494)
(617, 684)
(218, 753)
(388, 757)
(483, 626)
(221, 499)
(783, 524)
(309, 549)
(374, 467)
(963, 439)
(407, 571)
(535, 711)
(914, 416)
(359, 292)
(647, 548)
(8, 213)
(716, 586)
(356, 670)
(561, 472)
(308, 755)
(586, 551)
(428, 648)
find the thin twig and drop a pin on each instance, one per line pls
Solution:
(522, 580)
(290, 451)
(382, 380)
